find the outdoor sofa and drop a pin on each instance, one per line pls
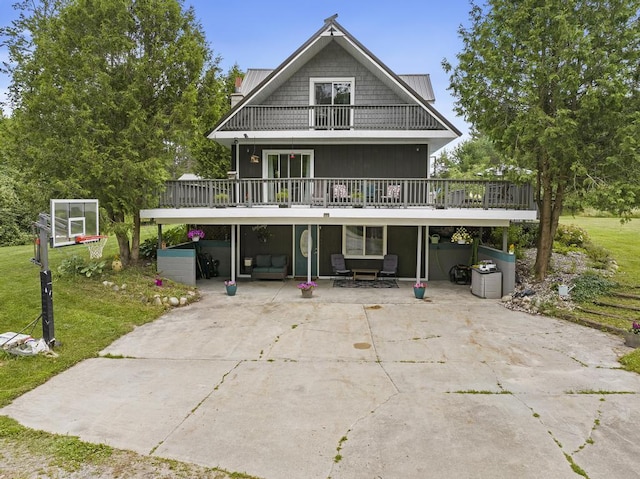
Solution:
(267, 266)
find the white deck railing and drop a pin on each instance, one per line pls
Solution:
(332, 117)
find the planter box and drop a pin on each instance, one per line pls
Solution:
(632, 340)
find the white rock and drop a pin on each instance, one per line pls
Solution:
(157, 301)
(174, 301)
(183, 301)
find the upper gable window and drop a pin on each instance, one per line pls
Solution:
(331, 100)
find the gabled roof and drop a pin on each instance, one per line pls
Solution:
(258, 84)
(420, 83)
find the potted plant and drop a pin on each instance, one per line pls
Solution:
(632, 337)
(357, 197)
(419, 289)
(461, 236)
(231, 287)
(195, 235)
(306, 288)
(221, 199)
(282, 197)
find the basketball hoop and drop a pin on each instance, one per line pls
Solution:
(95, 244)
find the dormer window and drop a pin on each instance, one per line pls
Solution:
(331, 100)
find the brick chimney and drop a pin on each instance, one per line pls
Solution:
(236, 96)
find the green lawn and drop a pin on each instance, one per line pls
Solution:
(621, 240)
(87, 315)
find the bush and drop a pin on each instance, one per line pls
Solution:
(590, 285)
(522, 236)
(75, 265)
(171, 237)
(571, 235)
(600, 256)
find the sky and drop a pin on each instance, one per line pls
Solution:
(409, 36)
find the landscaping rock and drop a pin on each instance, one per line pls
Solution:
(174, 301)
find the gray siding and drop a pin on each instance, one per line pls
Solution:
(334, 62)
(351, 161)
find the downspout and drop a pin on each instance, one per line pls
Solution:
(426, 254)
(233, 252)
(310, 240)
(419, 254)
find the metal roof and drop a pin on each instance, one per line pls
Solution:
(421, 84)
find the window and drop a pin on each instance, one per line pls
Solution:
(364, 241)
(331, 100)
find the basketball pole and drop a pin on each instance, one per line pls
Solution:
(46, 285)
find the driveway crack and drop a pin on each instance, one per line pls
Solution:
(197, 406)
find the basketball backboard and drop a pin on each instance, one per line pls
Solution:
(73, 218)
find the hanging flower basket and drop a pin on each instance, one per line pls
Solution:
(195, 235)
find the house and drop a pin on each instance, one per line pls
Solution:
(331, 154)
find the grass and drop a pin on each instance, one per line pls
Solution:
(87, 315)
(621, 239)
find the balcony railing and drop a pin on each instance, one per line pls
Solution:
(348, 192)
(332, 117)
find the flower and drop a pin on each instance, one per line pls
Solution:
(461, 235)
(193, 233)
(635, 328)
(307, 285)
(420, 285)
(229, 283)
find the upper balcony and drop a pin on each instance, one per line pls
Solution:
(348, 193)
(332, 117)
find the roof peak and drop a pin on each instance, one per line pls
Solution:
(330, 19)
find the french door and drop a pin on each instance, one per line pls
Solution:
(288, 170)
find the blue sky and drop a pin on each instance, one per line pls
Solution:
(409, 36)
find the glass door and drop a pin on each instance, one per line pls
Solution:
(288, 172)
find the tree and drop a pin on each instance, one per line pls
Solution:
(213, 160)
(555, 85)
(470, 159)
(104, 93)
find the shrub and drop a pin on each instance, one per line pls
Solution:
(591, 285)
(598, 254)
(571, 235)
(171, 237)
(522, 236)
(71, 266)
(75, 265)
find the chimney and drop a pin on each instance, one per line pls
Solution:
(236, 96)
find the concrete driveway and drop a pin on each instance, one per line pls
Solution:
(355, 383)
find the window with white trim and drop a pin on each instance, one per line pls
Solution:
(364, 241)
(331, 100)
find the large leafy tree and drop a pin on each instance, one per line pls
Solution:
(213, 160)
(555, 85)
(104, 94)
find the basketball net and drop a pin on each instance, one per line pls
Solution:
(95, 244)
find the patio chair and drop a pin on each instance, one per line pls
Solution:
(340, 192)
(338, 265)
(393, 194)
(389, 266)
